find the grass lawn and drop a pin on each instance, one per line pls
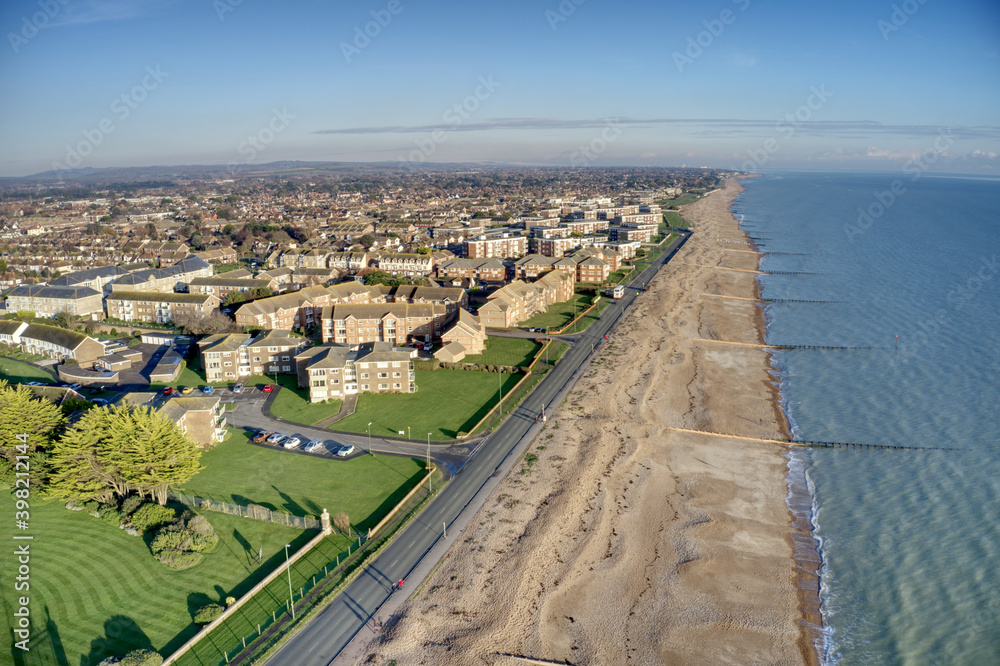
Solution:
(560, 314)
(96, 591)
(292, 403)
(585, 321)
(18, 372)
(446, 402)
(675, 219)
(506, 351)
(365, 488)
(684, 199)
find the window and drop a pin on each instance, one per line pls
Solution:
(364, 375)
(364, 387)
(395, 386)
(284, 358)
(383, 375)
(395, 374)
(228, 363)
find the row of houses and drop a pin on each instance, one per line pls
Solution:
(51, 341)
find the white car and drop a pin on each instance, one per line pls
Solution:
(345, 450)
(276, 438)
(292, 443)
(313, 445)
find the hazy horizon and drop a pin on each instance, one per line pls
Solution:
(735, 85)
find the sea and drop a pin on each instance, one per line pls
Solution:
(886, 288)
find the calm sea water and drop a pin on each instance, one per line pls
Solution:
(910, 539)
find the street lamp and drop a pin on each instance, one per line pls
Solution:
(430, 479)
(288, 567)
(370, 439)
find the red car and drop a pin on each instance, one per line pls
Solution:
(168, 390)
(268, 388)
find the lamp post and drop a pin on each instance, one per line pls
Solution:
(370, 439)
(288, 567)
(430, 479)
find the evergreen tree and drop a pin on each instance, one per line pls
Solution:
(113, 451)
(21, 413)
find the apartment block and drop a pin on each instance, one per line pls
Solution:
(520, 300)
(501, 247)
(290, 311)
(47, 301)
(410, 265)
(221, 287)
(172, 278)
(399, 323)
(482, 270)
(158, 307)
(235, 356)
(333, 371)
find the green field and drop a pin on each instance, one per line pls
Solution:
(560, 314)
(292, 403)
(446, 402)
(675, 219)
(96, 591)
(365, 488)
(682, 200)
(506, 351)
(18, 372)
(585, 321)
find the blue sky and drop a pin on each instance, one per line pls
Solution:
(727, 83)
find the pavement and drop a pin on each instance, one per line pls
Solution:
(339, 633)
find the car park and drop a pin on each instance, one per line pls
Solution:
(262, 436)
(291, 443)
(207, 390)
(344, 451)
(238, 388)
(313, 445)
(268, 388)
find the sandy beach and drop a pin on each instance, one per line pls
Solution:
(629, 540)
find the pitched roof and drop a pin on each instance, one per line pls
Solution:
(45, 291)
(159, 297)
(380, 310)
(55, 335)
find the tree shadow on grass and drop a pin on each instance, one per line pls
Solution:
(44, 647)
(121, 636)
(391, 501)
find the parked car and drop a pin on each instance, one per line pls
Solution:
(313, 445)
(276, 438)
(268, 388)
(36, 384)
(75, 386)
(344, 451)
(428, 347)
(207, 390)
(168, 390)
(238, 388)
(187, 389)
(291, 443)
(100, 402)
(262, 436)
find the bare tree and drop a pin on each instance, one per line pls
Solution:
(342, 522)
(199, 323)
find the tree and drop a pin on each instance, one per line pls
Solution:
(342, 522)
(198, 323)
(208, 613)
(113, 451)
(151, 231)
(65, 319)
(3, 265)
(366, 241)
(21, 413)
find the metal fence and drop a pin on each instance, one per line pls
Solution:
(253, 511)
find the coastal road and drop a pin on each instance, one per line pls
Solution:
(319, 642)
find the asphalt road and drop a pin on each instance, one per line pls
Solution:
(332, 629)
